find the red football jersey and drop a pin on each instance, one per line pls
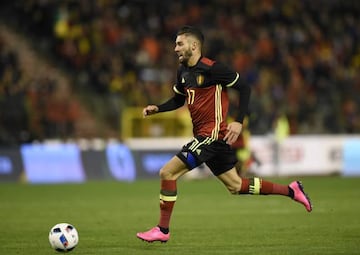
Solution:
(205, 88)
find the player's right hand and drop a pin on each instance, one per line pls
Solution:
(150, 109)
(233, 132)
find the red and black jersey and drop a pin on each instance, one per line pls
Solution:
(205, 88)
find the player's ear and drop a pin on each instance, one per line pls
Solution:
(194, 45)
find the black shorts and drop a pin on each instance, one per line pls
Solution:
(217, 155)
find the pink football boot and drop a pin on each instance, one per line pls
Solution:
(153, 234)
(300, 196)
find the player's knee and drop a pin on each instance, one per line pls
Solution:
(234, 188)
(165, 175)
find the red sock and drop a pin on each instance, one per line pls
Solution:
(257, 186)
(168, 194)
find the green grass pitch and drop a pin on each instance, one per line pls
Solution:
(206, 219)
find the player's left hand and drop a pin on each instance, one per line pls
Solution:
(234, 130)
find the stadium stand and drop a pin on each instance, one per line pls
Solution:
(302, 58)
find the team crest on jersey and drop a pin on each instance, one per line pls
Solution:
(200, 79)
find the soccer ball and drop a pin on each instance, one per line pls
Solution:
(63, 237)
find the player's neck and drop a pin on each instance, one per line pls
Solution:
(194, 60)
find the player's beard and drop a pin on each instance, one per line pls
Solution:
(186, 56)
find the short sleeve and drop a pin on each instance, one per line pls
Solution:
(224, 75)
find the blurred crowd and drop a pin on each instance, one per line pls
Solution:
(30, 108)
(301, 58)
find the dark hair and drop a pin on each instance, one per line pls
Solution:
(192, 31)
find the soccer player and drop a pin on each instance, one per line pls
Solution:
(203, 83)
